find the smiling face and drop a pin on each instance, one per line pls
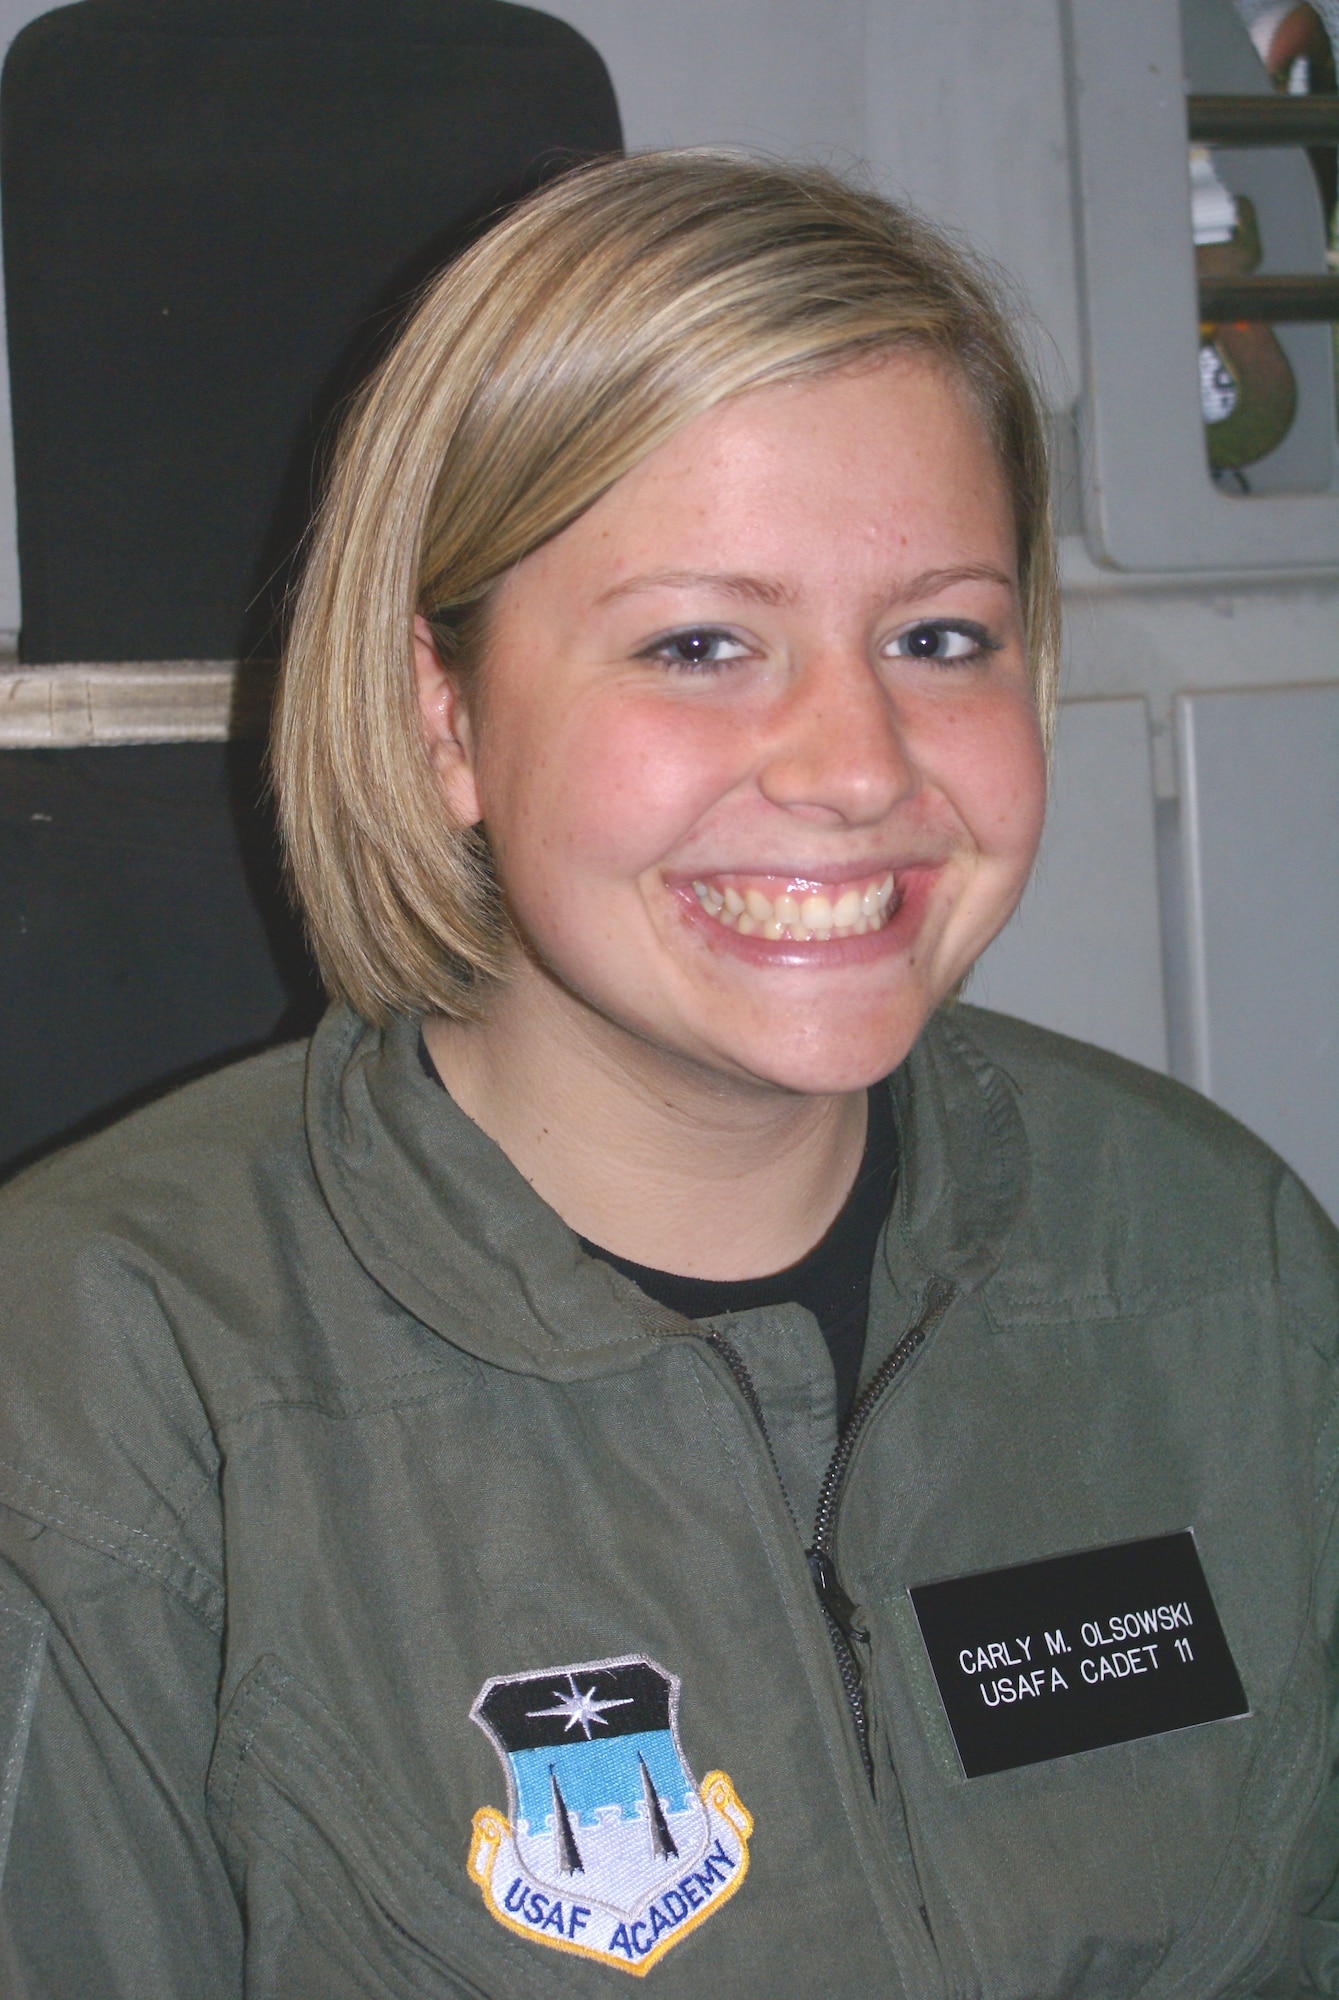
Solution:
(754, 741)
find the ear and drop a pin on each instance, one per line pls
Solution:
(446, 728)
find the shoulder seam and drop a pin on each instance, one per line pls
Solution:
(37, 1499)
(1102, 1309)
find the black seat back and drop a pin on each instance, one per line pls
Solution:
(215, 212)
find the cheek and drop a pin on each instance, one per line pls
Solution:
(991, 764)
(1024, 806)
(610, 788)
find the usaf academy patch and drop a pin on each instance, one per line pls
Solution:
(610, 1849)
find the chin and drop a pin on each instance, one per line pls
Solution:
(837, 1080)
(835, 1065)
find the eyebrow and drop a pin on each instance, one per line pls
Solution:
(930, 580)
(753, 589)
(770, 591)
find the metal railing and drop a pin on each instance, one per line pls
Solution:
(1286, 300)
(1263, 119)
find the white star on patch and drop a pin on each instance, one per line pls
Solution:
(580, 1706)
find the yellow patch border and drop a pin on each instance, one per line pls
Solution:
(491, 1828)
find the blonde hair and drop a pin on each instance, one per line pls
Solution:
(580, 333)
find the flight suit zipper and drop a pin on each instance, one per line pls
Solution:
(839, 1608)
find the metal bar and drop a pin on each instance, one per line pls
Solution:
(1287, 300)
(1263, 120)
(152, 701)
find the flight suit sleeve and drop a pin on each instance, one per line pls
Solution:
(112, 1594)
(1320, 1927)
(1309, 1263)
(112, 1884)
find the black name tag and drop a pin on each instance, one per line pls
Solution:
(1076, 1652)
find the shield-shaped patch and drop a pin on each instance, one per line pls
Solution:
(610, 1848)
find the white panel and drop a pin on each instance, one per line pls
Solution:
(783, 75)
(1148, 502)
(1260, 848)
(967, 118)
(1220, 57)
(1084, 952)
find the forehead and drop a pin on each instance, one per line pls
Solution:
(885, 463)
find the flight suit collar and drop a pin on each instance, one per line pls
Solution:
(437, 1214)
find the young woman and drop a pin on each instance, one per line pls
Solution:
(659, 1445)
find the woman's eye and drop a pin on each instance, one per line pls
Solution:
(698, 648)
(935, 640)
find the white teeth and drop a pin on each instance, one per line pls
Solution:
(811, 919)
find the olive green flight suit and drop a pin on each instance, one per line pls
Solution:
(316, 1419)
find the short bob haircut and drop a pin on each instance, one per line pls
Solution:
(581, 332)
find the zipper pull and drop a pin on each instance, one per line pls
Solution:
(841, 1608)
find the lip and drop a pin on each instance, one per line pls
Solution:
(912, 886)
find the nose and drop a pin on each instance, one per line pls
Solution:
(837, 750)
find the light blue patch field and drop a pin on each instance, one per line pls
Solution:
(609, 1848)
(595, 1774)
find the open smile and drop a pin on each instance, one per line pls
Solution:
(795, 910)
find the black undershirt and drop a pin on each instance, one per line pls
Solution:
(832, 1281)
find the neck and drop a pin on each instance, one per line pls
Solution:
(652, 1156)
